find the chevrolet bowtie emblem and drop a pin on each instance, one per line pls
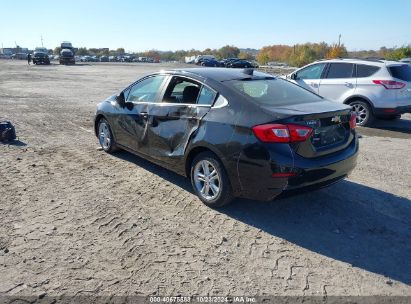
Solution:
(336, 119)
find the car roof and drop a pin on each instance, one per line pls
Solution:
(219, 74)
(370, 61)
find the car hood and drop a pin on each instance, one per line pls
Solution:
(322, 106)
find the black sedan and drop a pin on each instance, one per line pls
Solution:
(239, 64)
(234, 133)
(41, 58)
(209, 62)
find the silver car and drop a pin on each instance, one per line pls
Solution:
(373, 88)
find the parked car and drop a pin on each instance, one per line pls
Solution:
(373, 88)
(226, 62)
(67, 57)
(406, 60)
(104, 59)
(209, 62)
(94, 58)
(41, 58)
(234, 133)
(19, 56)
(239, 64)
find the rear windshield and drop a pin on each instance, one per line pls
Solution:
(402, 72)
(275, 92)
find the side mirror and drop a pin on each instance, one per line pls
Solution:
(121, 100)
(293, 76)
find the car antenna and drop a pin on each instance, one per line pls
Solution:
(249, 71)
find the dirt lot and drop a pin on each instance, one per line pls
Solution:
(77, 221)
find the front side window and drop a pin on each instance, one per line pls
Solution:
(340, 70)
(146, 90)
(312, 72)
(273, 92)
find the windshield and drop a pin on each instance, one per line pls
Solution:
(402, 72)
(40, 55)
(273, 92)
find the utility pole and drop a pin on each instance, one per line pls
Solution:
(339, 40)
(41, 38)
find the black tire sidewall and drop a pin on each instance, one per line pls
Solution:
(225, 196)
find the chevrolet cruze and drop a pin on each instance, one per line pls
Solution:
(234, 133)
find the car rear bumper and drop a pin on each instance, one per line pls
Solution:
(392, 111)
(261, 184)
(71, 60)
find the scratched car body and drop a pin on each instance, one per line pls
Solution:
(234, 133)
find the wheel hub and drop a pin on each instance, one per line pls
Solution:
(207, 180)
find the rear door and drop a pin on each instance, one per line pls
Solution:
(339, 81)
(310, 77)
(173, 121)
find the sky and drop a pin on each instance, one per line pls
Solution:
(140, 25)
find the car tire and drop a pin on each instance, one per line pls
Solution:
(363, 110)
(213, 189)
(105, 136)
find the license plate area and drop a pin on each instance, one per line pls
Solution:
(329, 135)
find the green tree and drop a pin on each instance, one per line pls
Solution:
(82, 51)
(228, 51)
(399, 53)
(120, 51)
(336, 51)
(246, 56)
(302, 55)
(57, 50)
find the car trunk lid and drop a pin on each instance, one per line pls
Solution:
(330, 122)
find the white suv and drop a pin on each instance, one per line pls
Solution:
(373, 88)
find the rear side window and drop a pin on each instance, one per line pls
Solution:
(206, 97)
(340, 70)
(182, 90)
(273, 92)
(402, 72)
(364, 70)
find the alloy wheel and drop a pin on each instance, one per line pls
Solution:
(361, 112)
(207, 180)
(104, 135)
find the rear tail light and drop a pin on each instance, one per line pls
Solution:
(353, 120)
(390, 84)
(284, 174)
(276, 133)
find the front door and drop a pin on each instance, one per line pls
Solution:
(310, 77)
(173, 121)
(133, 121)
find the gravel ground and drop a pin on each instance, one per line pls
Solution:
(77, 221)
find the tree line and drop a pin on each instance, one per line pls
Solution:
(296, 55)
